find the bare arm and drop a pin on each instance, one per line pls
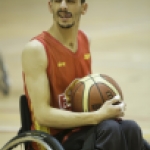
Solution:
(34, 64)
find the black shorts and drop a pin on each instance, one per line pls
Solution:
(77, 140)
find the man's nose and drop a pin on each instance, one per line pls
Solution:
(63, 5)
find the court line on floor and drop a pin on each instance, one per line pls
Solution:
(8, 129)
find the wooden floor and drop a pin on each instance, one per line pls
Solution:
(120, 46)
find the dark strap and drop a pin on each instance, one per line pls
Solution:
(25, 118)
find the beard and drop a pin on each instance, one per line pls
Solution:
(64, 14)
(66, 26)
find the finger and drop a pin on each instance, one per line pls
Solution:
(117, 97)
(123, 106)
(122, 114)
(120, 107)
(114, 101)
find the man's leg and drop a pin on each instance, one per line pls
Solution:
(133, 135)
(146, 145)
(109, 136)
(76, 140)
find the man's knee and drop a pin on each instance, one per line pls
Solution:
(131, 126)
(109, 127)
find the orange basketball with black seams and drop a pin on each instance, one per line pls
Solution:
(90, 92)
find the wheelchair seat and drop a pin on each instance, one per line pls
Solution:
(26, 122)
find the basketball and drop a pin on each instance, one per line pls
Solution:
(90, 92)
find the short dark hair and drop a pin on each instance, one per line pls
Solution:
(82, 1)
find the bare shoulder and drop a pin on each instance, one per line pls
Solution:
(33, 54)
(33, 48)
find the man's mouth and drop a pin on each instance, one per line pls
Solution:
(64, 14)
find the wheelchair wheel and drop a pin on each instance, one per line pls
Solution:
(42, 138)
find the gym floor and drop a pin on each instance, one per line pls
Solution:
(120, 47)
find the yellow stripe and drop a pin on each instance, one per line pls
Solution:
(88, 82)
(102, 80)
(61, 64)
(40, 128)
(87, 56)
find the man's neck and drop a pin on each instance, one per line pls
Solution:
(68, 37)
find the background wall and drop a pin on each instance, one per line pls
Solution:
(120, 46)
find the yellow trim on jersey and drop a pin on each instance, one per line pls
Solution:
(87, 56)
(61, 64)
(39, 128)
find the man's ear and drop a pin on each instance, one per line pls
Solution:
(84, 8)
(50, 6)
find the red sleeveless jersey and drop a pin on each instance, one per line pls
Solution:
(63, 67)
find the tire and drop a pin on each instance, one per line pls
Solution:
(46, 140)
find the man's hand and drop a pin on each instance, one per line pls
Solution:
(109, 110)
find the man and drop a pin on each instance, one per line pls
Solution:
(4, 82)
(50, 62)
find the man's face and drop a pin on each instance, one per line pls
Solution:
(66, 13)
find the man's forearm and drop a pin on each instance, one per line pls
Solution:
(66, 119)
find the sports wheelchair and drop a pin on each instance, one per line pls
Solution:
(26, 136)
